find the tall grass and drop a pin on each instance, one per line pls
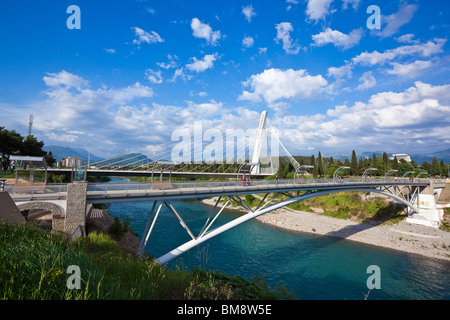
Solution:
(33, 265)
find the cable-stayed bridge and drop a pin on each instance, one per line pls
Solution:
(246, 147)
(255, 155)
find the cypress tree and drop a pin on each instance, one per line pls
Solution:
(320, 165)
(354, 164)
(435, 168)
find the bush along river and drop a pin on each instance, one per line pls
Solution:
(310, 266)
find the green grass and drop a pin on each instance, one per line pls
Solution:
(33, 265)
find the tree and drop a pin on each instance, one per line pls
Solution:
(10, 144)
(313, 163)
(354, 164)
(331, 161)
(395, 163)
(435, 168)
(444, 169)
(50, 159)
(320, 165)
(32, 147)
(385, 162)
(374, 160)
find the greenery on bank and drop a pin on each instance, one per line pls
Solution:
(445, 225)
(34, 262)
(342, 205)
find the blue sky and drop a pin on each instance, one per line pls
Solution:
(138, 70)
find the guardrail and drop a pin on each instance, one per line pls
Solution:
(59, 191)
(34, 192)
(208, 186)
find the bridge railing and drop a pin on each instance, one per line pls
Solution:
(35, 191)
(230, 185)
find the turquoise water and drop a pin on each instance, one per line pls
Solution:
(313, 267)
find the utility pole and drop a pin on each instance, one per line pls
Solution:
(30, 124)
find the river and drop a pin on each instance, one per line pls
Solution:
(310, 266)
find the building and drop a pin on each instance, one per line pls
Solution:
(71, 162)
(401, 156)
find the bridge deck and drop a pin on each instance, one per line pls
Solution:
(107, 192)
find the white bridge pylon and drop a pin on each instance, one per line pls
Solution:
(262, 208)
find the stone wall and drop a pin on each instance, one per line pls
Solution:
(53, 208)
(76, 206)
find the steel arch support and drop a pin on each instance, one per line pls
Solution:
(251, 215)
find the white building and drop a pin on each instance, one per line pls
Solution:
(401, 156)
(71, 162)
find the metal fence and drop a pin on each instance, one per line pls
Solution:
(59, 191)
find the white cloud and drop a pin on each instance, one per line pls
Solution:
(247, 42)
(204, 31)
(407, 38)
(74, 112)
(388, 120)
(179, 73)
(367, 81)
(344, 71)
(283, 34)
(425, 50)
(205, 109)
(395, 21)
(337, 38)
(318, 9)
(144, 36)
(153, 76)
(354, 4)
(410, 70)
(201, 65)
(65, 79)
(171, 64)
(275, 84)
(248, 12)
(111, 51)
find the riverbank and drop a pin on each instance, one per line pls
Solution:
(403, 236)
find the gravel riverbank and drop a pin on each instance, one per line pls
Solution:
(403, 236)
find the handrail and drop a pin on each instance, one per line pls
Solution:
(202, 187)
(209, 186)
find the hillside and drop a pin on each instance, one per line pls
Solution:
(60, 153)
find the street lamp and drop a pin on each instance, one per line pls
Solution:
(368, 171)
(389, 172)
(335, 175)
(421, 173)
(406, 173)
(302, 169)
(247, 169)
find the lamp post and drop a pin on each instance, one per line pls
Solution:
(421, 173)
(248, 167)
(335, 175)
(302, 169)
(367, 172)
(389, 172)
(406, 174)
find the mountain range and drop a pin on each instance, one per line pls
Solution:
(60, 152)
